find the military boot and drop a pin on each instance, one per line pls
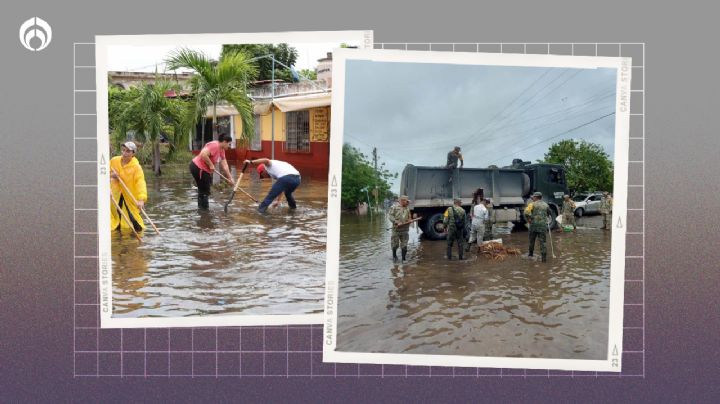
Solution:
(394, 250)
(449, 252)
(460, 252)
(404, 253)
(544, 258)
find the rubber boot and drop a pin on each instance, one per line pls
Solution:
(394, 254)
(449, 252)
(404, 253)
(530, 253)
(544, 258)
(203, 201)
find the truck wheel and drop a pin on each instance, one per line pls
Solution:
(434, 228)
(579, 212)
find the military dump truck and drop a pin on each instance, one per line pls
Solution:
(431, 191)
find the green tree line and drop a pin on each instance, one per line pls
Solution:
(359, 178)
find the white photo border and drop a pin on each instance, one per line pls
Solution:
(613, 361)
(102, 43)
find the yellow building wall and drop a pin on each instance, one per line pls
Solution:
(265, 124)
(319, 125)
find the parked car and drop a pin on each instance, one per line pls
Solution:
(587, 203)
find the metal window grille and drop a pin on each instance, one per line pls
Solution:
(298, 131)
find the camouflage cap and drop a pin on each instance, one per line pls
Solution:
(457, 200)
(538, 194)
(566, 196)
(401, 197)
(606, 193)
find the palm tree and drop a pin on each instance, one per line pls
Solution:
(148, 112)
(215, 82)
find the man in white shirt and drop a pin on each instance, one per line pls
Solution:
(286, 177)
(479, 215)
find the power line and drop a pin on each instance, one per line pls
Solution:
(510, 103)
(554, 136)
(470, 146)
(534, 129)
(546, 95)
(492, 122)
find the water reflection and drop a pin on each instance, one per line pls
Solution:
(518, 307)
(216, 263)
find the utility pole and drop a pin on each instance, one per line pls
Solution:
(375, 190)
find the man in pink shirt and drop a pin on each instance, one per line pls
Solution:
(203, 166)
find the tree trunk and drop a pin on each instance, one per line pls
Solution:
(215, 123)
(203, 121)
(156, 158)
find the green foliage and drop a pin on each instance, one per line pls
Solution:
(358, 174)
(588, 167)
(309, 74)
(147, 113)
(283, 53)
(215, 82)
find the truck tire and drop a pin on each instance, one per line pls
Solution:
(434, 228)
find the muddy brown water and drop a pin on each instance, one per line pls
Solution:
(517, 307)
(213, 263)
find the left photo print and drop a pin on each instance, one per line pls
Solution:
(213, 156)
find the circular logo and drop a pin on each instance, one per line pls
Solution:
(35, 34)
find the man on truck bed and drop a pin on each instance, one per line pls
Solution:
(536, 214)
(454, 222)
(452, 161)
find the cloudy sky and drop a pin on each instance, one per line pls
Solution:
(146, 58)
(416, 112)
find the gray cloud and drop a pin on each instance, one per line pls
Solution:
(416, 112)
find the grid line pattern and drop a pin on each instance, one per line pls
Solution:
(296, 351)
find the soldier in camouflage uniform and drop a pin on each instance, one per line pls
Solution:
(606, 210)
(399, 216)
(455, 221)
(568, 213)
(536, 214)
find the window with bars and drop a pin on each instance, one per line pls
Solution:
(298, 131)
(256, 141)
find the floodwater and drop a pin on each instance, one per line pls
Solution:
(216, 263)
(518, 307)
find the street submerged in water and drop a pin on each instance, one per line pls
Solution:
(516, 307)
(210, 262)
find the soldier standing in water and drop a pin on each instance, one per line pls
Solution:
(536, 214)
(455, 221)
(399, 216)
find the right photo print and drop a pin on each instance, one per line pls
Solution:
(477, 208)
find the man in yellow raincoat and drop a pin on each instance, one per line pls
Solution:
(129, 171)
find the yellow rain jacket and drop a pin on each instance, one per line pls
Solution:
(134, 178)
